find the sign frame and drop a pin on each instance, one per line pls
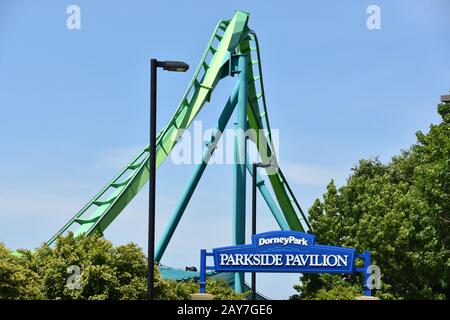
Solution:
(284, 251)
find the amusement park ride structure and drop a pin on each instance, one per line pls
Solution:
(232, 50)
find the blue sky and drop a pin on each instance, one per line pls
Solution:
(74, 105)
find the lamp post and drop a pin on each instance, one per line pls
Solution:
(176, 66)
(254, 184)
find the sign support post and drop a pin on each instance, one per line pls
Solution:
(367, 290)
(366, 257)
(203, 271)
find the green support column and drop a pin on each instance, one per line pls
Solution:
(240, 155)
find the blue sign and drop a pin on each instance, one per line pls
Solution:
(283, 251)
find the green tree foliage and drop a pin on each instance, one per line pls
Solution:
(17, 280)
(107, 272)
(221, 291)
(217, 287)
(400, 211)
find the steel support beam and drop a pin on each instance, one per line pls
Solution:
(240, 155)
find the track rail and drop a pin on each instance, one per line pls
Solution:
(229, 36)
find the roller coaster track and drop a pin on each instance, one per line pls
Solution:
(229, 37)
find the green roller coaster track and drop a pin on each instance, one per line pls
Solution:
(230, 38)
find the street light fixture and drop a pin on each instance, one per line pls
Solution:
(176, 66)
(445, 99)
(254, 184)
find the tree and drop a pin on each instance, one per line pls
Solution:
(216, 287)
(17, 281)
(105, 272)
(400, 212)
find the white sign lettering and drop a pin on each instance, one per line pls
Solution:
(283, 240)
(295, 260)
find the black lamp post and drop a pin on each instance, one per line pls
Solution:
(254, 184)
(177, 66)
